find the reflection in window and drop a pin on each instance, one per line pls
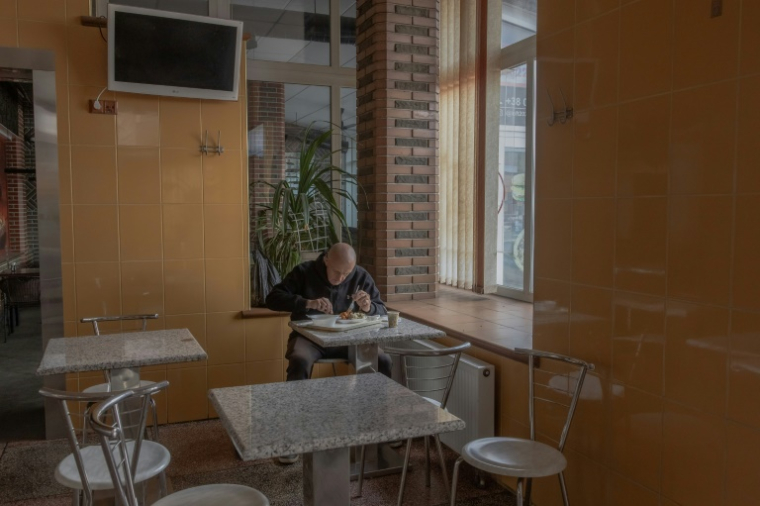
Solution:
(296, 31)
(197, 7)
(348, 156)
(280, 117)
(348, 33)
(512, 157)
(518, 20)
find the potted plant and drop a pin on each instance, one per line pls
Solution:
(305, 215)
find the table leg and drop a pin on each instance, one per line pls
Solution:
(363, 357)
(326, 479)
(380, 459)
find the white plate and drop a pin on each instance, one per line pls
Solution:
(350, 321)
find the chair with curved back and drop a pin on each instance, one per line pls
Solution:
(526, 459)
(21, 291)
(429, 373)
(106, 387)
(84, 469)
(116, 452)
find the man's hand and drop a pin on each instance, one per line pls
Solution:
(363, 300)
(322, 304)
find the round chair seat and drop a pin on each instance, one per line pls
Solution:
(103, 387)
(228, 495)
(154, 458)
(507, 456)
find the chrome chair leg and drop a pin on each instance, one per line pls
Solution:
(528, 487)
(443, 463)
(520, 492)
(335, 370)
(361, 469)
(162, 489)
(404, 470)
(427, 462)
(454, 479)
(563, 487)
(155, 418)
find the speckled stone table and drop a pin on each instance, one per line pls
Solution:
(363, 349)
(322, 419)
(121, 354)
(363, 344)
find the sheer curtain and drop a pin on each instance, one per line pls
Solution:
(457, 142)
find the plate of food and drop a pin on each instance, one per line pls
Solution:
(348, 317)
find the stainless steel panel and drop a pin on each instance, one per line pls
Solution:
(42, 64)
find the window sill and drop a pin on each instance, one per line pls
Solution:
(261, 312)
(478, 322)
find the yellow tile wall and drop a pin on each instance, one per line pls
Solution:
(647, 240)
(147, 223)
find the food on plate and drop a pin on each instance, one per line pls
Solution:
(350, 315)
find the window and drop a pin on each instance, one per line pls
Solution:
(514, 255)
(293, 31)
(348, 33)
(197, 7)
(348, 156)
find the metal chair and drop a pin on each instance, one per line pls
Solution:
(526, 459)
(106, 387)
(84, 469)
(21, 290)
(120, 460)
(429, 373)
(6, 317)
(331, 361)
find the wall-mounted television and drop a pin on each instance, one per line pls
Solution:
(177, 55)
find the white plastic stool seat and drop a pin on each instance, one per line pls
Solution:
(154, 458)
(508, 456)
(103, 387)
(223, 494)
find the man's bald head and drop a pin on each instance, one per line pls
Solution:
(340, 261)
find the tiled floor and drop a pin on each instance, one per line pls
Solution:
(202, 453)
(487, 320)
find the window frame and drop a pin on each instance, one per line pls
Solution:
(511, 56)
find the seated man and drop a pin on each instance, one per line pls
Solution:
(327, 285)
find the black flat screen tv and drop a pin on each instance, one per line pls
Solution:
(178, 55)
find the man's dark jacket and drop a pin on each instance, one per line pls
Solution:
(309, 281)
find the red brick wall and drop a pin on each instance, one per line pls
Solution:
(22, 219)
(397, 108)
(266, 116)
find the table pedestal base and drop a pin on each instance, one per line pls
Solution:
(324, 478)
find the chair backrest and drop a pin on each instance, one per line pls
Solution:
(565, 385)
(133, 417)
(429, 372)
(108, 422)
(22, 289)
(94, 320)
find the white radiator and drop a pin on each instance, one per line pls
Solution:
(472, 394)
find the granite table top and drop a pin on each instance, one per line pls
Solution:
(115, 351)
(278, 419)
(407, 330)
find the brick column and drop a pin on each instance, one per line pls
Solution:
(397, 130)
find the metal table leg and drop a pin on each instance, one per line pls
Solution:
(325, 478)
(364, 357)
(380, 459)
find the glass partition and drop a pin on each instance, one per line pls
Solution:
(294, 31)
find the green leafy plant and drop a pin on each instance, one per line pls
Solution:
(306, 215)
